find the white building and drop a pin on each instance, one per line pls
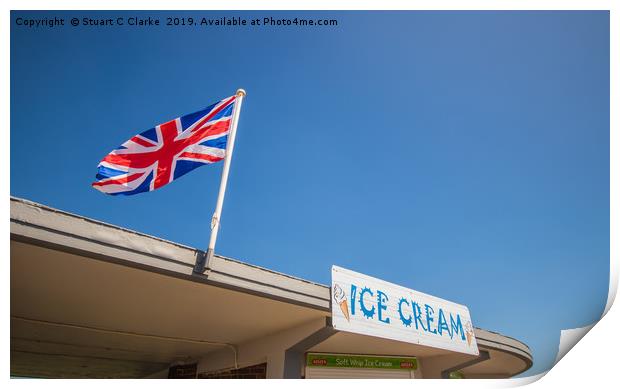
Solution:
(89, 299)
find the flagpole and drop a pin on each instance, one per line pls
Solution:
(202, 263)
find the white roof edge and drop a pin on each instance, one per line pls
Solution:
(503, 342)
(75, 215)
(43, 223)
(271, 271)
(48, 208)
(83, 233)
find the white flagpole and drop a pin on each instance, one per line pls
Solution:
(215, 221)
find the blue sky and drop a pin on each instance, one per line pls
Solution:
(461, 154)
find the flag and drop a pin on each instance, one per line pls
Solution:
(164, 153)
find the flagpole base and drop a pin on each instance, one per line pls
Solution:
(202, 261)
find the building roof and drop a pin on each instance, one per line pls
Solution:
(74, 277)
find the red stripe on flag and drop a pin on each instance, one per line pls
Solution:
(213, 113)
(142, 142)
(136, 160)
(210, 130)
(163, 175)
(205, 157)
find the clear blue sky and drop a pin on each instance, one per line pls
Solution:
(464, 155)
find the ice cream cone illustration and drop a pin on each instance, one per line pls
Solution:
(469, 333)
(341, 299)
(344, 307)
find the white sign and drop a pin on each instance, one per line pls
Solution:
(369, 306)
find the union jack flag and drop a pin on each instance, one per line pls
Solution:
(164, 153)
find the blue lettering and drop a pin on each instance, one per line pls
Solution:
(382, 298)
(456, 326)
(417, 314)
(353, 294)
(443, 324)
(429, 318)
(406, 320)
(369, 313)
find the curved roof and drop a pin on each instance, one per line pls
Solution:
(92, 278)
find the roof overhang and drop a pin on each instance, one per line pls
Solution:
(92, 299)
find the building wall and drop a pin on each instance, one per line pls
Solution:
(433, 366)
(267, 350)
(182, 371)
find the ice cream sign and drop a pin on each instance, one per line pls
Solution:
(369, 306)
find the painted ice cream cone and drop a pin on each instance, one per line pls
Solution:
(344, 307)
(341, 299)
(469, 332)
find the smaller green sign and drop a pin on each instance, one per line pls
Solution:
(361, 362)
(456, 374)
